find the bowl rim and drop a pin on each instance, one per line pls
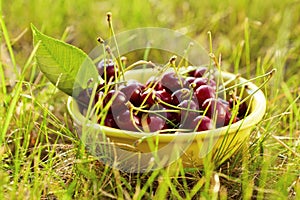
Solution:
(258, 108)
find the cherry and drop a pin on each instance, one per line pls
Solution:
(110, 121)
(164, 96)
(188, 111)
(101, 87)
(152, 96)
(171, 81)
(133, 91)
(199, 72)
(155, 123)
(167, 115)
(118, 99)
(109, 67)
(83, 99)
(153, 81)
(198, 82)
(124, 121)
(202, 123)
(149, 97)
(205, 123)
(190, 79)
(215, 108)
(180, 95)
(242, 107)
(203, 81)
(226, 103)
(187, 93)
(204, 92)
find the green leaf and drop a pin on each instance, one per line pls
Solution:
(66, 66)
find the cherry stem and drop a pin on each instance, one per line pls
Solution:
(139, 63)
(132, 117)
(110, 24)
(269, 76)
(124, 61)
(237, 76)
(153, 111)
(197, 126)
(89, 112)
(101, 41)
(152, 86)
(139, 109)
(176, 107)
(173, 65)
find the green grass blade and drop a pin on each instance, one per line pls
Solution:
(16, 96)
(8, 44)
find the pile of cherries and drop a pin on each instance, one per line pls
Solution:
(173, 101)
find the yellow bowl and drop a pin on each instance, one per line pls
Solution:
(136, 151)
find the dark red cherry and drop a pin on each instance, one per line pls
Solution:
(200, 71)
(132, 91)
(182, 94)
(203, 81)
(125, 122)
(117, 99)
(199, 81)
(217, 110)
(188, 110)
(242, 106)
(190, 79)
(204, 92)
(149, 97)
(108, 67)
(203, 122)
(84, 97)
(199, 123)
(101, 87)
(154, 83)
(172, 82)
(110, 121)
(155, 123)
(164, 96)
(168, 116)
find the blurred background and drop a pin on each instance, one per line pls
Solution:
(243, 31)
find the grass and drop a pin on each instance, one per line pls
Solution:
(41, 156)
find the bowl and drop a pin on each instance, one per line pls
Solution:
(141, 151)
